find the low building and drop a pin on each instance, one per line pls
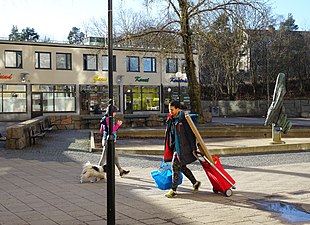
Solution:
(60, 79)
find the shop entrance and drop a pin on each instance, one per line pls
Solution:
(36, 104)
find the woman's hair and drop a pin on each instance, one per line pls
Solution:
(174, 103)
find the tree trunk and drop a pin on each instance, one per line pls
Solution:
(193, 85)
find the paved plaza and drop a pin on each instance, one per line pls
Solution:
(40, 185)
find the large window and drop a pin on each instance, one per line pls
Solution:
(13, 98)
(105, 63)
(90, 62)
(144, 98)
(57, 98)
(149, 64)
(63, 61)
(13, 59)
(133, 64)
(179, 93)
(172, 65)
(97, 95)
(43, 60)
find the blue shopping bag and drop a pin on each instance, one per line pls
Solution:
(163, 176)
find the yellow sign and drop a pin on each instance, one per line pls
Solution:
(99, 79)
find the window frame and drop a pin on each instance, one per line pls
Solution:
(168, 68)
(51, 94)
(153, 65)
(86, 63)
(68, 61)
(18, 93)
(128, 64)
(18, 65)
(107, 61)
(38, 60)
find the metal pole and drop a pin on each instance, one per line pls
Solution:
(179, 91)
(111, 146)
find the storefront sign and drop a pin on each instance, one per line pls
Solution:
(99, 79)
(178, 80)
(6, 77)
(140, 79)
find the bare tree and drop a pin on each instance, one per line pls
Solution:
(182, 17)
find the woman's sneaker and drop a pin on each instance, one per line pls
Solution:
(196, 186)
(171, 194)
(124, 172)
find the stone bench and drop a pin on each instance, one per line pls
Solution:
(24, 134)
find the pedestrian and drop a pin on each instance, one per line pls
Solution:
(180, 142)
(104, 130)
(97, 109)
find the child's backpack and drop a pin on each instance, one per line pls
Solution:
(103, 122)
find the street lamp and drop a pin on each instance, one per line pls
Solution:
(179, 75)
(111, 145)
(23, 77)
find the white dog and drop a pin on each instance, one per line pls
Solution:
(92, 171)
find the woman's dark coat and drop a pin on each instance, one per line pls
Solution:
(186, 137)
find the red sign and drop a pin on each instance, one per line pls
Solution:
(7, 77)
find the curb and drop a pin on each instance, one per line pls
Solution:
(229, 150)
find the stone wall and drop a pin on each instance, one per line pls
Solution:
(293, 108)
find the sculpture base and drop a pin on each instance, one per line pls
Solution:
(277, 142)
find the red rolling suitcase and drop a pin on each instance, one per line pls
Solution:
(219, 178)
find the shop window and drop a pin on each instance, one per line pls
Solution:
(57, 98)
(43, 60)
(13, 98)
(133, 64)
(149, 64)
(92, 96)
(172, 65)
(63, 61)
(105, 63)
(144, 98)
(13, 59)
(90, 62)
(177, 94)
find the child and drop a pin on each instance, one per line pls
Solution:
(104, 130)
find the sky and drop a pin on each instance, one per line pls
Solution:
(55, 18)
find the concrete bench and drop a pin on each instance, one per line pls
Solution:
(134, 118)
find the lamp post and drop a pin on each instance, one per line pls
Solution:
(111, 146)
(179, 75)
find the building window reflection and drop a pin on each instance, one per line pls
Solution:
(13, 98)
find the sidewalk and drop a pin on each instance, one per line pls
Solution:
(40, 185)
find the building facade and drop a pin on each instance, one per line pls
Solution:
(58, 79)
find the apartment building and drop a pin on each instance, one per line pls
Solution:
(63, 79)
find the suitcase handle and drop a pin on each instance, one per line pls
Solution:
(198, 154)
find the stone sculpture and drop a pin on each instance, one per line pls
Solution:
(276, 112)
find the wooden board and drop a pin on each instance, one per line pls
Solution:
(201, 145)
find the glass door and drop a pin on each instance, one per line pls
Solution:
(36, 104)
(128, 102)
